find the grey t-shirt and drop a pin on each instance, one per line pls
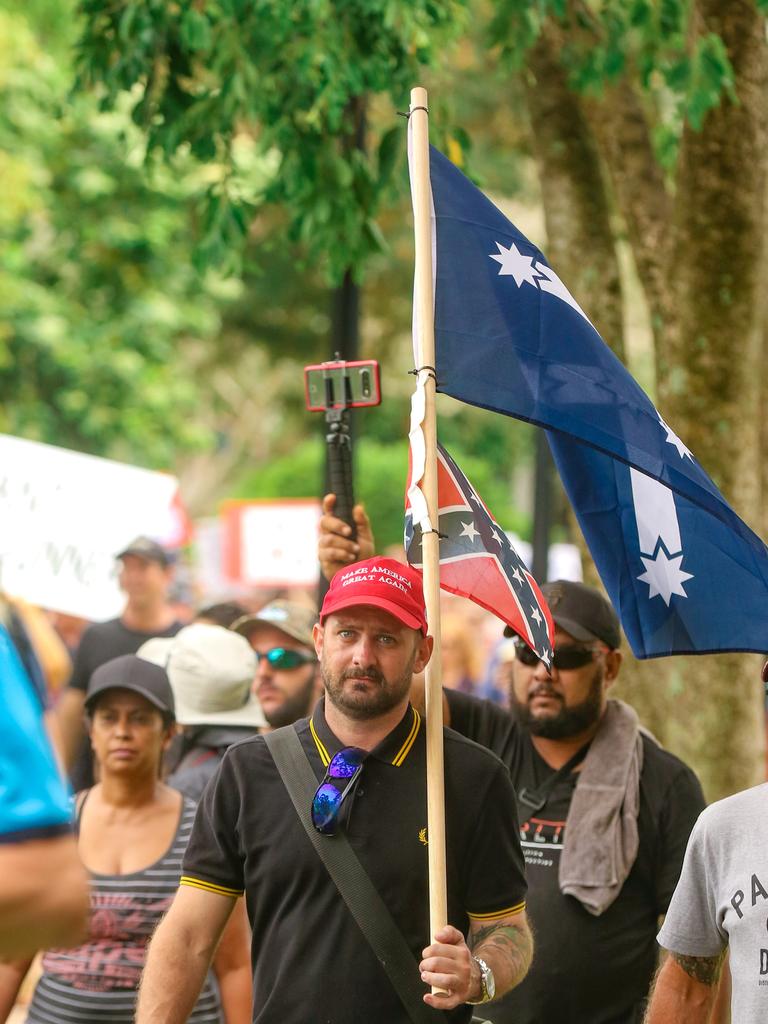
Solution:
(722, 898)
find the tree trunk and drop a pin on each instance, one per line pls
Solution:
(619, 125)
(709, 388)
(580, 241)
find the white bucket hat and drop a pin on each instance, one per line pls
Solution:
(211, 670)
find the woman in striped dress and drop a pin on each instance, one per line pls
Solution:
(132, 832)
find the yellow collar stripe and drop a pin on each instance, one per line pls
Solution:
(397, 760)
(496, 915)
(325, 757)
(402, 753)
(220, 890)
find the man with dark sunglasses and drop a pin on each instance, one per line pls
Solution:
(366, 753)
(287, 680)
(595, 943)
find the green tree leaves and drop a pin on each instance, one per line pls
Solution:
(294, 78)
(103, 313)
(683, 76)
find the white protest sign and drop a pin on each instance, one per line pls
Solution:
(272, 543)
(63, 518)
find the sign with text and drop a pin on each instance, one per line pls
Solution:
(65, 516)
(272, 543)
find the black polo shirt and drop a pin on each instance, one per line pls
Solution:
(310, 960)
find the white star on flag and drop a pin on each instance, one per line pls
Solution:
(518, 576)
(536, 615)
(515, 264)
(526, 270)
(664, 576)
(672, 438)
(468, 530)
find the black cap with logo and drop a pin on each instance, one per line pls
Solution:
(581, 611)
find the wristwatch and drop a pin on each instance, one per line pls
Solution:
(487, 983)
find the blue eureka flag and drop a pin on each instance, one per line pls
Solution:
(684, 572)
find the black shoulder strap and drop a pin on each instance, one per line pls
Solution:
(351, 879)
(535, 799)
(80, 800)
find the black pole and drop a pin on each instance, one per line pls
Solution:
(345, 338)
(345, 320)
(345, 311)
(542, 507)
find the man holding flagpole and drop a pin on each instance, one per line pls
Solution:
(365, 751)
(604, 812)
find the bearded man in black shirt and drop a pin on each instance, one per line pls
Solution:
(365, 746)
(604, 812)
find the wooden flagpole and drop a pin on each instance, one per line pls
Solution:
(425, 336)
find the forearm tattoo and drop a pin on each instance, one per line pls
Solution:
(705, 969)
(511, 945)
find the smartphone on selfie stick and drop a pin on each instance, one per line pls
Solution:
(334, 388)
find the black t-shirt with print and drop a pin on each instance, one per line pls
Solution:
(586, 969)
(310, 960)
(103, 641)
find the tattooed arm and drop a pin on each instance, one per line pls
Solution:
(685, 989)
(505, 945)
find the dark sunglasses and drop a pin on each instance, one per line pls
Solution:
(284, 657)
(341, 777)
(571, 656)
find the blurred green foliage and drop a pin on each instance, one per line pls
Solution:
(115, 340)
(102, 312)
(296, 78)
(380, 483)
(189, 202)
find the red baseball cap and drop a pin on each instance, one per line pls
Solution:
(384, 583)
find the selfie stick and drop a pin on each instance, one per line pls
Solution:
(339, 445)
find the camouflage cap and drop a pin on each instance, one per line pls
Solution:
(294, 619)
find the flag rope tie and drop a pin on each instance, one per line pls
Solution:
(417, 370)
(407, 113)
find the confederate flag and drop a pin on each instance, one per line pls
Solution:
(477, 560)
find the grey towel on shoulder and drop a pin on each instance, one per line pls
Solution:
(601, 838)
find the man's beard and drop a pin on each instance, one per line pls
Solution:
(295, 707)
(568, 721)
(366, 704)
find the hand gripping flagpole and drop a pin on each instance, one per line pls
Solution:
(424, 335)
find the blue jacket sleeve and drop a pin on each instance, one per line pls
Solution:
(34, 800)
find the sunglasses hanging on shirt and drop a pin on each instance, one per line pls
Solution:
(341, 778)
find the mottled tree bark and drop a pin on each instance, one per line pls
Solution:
(618, 122)
(576, 207)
